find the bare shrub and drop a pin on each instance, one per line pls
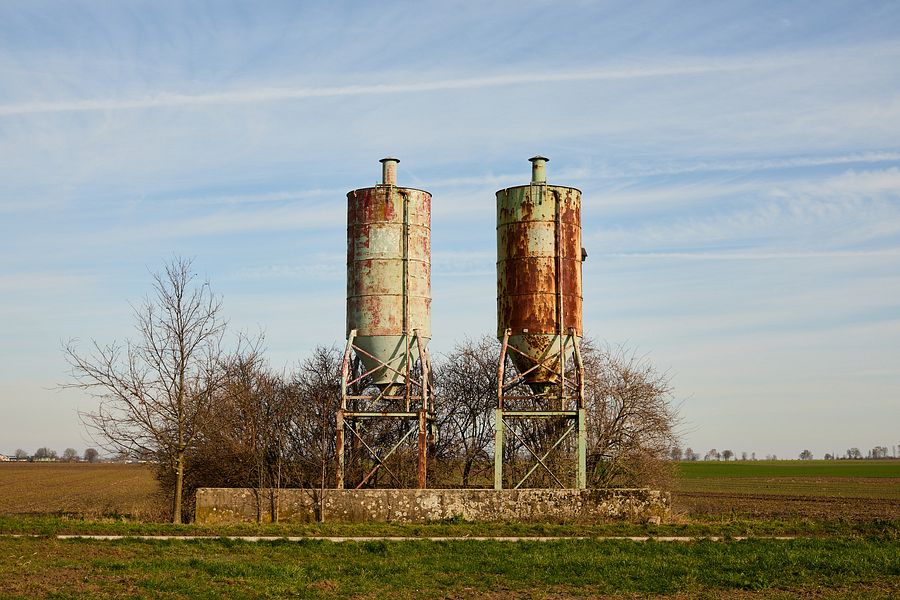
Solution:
(632, 419)
(315, 394)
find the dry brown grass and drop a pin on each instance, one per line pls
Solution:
(91, 490)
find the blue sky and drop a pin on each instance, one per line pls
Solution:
(739, 162)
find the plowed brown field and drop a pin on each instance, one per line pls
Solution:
(79, 488)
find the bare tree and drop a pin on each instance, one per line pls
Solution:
(631, 417)
(91, 455)
(727, 455)
(44, 453)
(70, 454)
(156, 391)
(465, 396)
(21, 454)
(313, 395)
(631, 422)
(879, 452)
(806, 455)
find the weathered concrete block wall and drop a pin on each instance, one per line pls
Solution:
(229, 505)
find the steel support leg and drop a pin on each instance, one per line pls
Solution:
(498, 449)
(423, 448)
(339, 449)
(581, 476)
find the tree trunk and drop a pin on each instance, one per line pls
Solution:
(467, 469)
(179, 484)
(259, 490)
(276, 510)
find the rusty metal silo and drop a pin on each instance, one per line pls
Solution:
(539, 258)
(388, 328)
(388, 274)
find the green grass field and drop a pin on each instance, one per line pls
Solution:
(47, 568)
(731, 527)
(845, 469)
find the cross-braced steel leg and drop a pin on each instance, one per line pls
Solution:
(416, 409)
(569, 406)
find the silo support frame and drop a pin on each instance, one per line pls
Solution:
(504, 429)
(571, 408)
(417, 413)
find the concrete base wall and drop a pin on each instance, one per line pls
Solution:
(230, 505)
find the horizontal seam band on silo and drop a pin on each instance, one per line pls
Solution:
(387, 296)
(539, 185)
(552, 294)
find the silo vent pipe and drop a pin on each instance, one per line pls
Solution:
(389, 171)
(539, 169)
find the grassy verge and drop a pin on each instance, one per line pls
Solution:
(845, 469)
(40, 567)
(54, 525)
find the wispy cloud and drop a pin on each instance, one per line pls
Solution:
(275, 94)
(257, 198)
(855, 207)
(711, 166)
(743, 256)
(740, 205)
(318, 267)
(283, 218)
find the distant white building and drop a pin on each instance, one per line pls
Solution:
(4, 458)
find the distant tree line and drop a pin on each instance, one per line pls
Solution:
(878, 452)
(46, 454)
(211, 417)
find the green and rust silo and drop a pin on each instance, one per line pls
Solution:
(539, 263)
(389, 277)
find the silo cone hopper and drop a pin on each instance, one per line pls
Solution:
(537, 356)
(385, 356)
